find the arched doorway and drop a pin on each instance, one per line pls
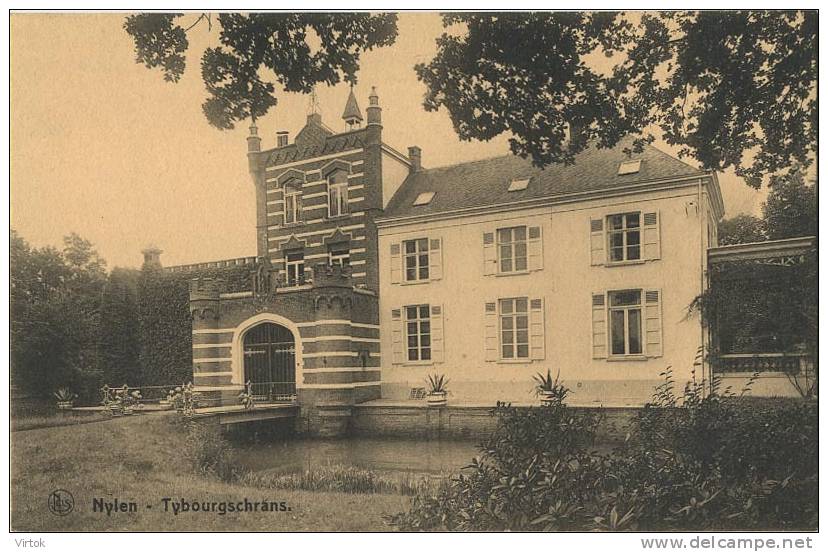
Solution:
(270, 362)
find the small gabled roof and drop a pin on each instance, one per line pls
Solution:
(486, 182)
(352, 108)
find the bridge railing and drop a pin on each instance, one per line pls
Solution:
(272, 391)
(789, 363)
(147, 394)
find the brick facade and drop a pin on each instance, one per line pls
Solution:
(330, 306)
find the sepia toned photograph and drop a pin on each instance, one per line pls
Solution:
(415, 271)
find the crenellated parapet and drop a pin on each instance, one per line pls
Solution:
(325, 275)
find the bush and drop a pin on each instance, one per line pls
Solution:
(691, 462)
(208, 452)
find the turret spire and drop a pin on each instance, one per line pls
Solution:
(352, 115)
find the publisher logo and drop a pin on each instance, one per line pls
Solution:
(61, 502)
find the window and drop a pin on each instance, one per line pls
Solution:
(518, 184)
(629, 167)
(295, 263)
(424, 198)
(625, 322)
(293, 204)
(418, 332)
(511, 249)
(339, 254)
(624, 234)
(514, 328)
(416, 259)
(338, 194)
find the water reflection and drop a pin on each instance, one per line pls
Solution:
(387, 455)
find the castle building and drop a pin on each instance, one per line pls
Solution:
(309, 326)
(373, 271)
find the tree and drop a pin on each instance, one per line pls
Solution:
(301, 50)
(732, 89)
(54, 302)
(741, 229)
(791, 208)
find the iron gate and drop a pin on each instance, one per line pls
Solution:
(270, 362)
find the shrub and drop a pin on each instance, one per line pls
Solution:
(208, 452)
(691, 462)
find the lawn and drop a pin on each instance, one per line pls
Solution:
(138, 459)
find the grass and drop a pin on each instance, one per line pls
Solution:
(57, 419)
(346, 479)
(139, 459)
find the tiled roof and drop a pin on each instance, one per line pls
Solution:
(314, 142)
(486, 182)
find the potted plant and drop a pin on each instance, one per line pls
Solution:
(112, 400)
(167, 402)
(550, 391)
(186, 399)
(131, 400)
(437, 392)
(246, 396)
(65, 398)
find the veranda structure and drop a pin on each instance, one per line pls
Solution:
(762, 311)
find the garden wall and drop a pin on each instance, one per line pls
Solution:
(461, 422)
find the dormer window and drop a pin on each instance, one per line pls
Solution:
(293, 203)
(424, 198)
(338, 194)
(519, 184)
(629, 167)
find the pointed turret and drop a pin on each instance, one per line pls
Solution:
(352, 115)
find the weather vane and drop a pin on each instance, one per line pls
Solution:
(313, 102)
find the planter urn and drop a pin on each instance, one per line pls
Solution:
(436, 399)
(546, 398)
(64, 405)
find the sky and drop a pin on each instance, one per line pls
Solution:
(104, 147)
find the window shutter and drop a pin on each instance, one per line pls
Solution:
(535, 248)
(652, 236)
(489, 254)
(597, 247)
(652, 323)
(396, 337)
(396, 263)
(490, 334)
(435, 259)
(437, 343)
(537, 338)
(599, 326)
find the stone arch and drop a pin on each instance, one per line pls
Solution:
(237, 355)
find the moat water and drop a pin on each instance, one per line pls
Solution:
(294, 455)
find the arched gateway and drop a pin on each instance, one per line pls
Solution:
(270, 361)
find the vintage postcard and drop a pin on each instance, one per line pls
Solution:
(414, 271)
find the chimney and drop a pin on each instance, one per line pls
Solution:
(152, 257)
(281, 139)
(254, 142)
(576, 133)
(374, 110)
(415, 155)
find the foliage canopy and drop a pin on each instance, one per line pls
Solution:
(299, 50)
(731, 89)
